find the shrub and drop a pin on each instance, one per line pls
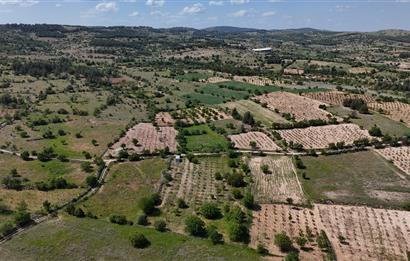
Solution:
(147, 205)
(195, 226)
(236, 215)
(292, 256)
(237, 193)
(92, 181)
(6, 228)
(238, 232)
(86, 166)
(261, 249)
(138, 240)
(160, 225)
(375, 131)
(25, 155)
(118, 219)
(156, 197)
(214, 235)
(181, 203)
(142, 220)
(235, 179)
(78, 212)
(248, 200)
(22, 218)
(210, 210)
(283, 241)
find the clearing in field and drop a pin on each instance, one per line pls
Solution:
(145, 137)
(278, 183)
(262, 141)
(264, 115)
(337, 98)
(399, 156)
(397, 111)
(196, 183)
(301, 108)
(31, 172)
(355, 178)
(363, 233)
(273, 219)
(126, 183)
(71, 238)
(208, 141)
(320, 137)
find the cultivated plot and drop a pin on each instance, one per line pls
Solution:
(301, 108)
(201, 115)
(254, 140)
(274, 180)
(397, 111)
(321, 136)
(363, 233)
(273, 219)
(145, 137)
(399, 156)
(196, 183)
(337, 98)
(355, 233)
(261, 81)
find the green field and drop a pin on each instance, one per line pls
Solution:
(264, 115)
(125, 184)
(367, 121)
(209, 142)
(193, 76)
(355, 178)
(70, 238)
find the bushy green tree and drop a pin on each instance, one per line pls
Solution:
(138, 240)
(210, 210)
(195, 226)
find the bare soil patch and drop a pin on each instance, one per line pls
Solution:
(164, 119)
(255, 80)
(399, 156)
(319, 137)
(274, 219)
(302, 108)
(337, 98)
(263, 142)
(149, 138)
(370, 233)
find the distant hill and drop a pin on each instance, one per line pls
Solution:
(232, 29)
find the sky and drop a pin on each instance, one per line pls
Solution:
(359, 15)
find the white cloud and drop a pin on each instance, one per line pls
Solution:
(157, 13)
(274, 1)
(158, 3)
(240, 13)
(106, 7)
(133, 14)
(342, 8)
(269, 13)
(193, 9)
(216, 3)
(58, 5)
(23, 3)
(239, 2)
